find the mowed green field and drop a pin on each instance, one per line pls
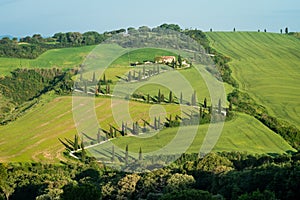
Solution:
(267, 66)
(243, 134)
(59, 58)
(34, 137)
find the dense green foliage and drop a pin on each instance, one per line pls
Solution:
(11, 48)
(24, 85)
(216, 176)
(32, 47)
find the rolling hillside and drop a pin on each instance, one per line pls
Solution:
(267, 66)
(34, 137)
(60, 58)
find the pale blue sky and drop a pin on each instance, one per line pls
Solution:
(26, 17)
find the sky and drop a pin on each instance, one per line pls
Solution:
(26, 17)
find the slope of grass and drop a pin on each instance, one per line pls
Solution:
(60, 58)
(243, 134)
(34, 137)
(266, 65)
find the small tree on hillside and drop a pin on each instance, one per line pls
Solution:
(159, 96)
(280, 31)
(286, 30)
(94, 77)
(76, 144)
(83, 152)
(180, 60)
(104, 79)
(181, 98)
(129, 76)
(126, 154)
(205, 103)
(170, 97)
(107, 89)
(85, 87)
(233, 29)
(98, 135)
(140, 154)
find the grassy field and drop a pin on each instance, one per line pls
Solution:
(34, 137)
(266, 66)
(244, 134)
(60, 58)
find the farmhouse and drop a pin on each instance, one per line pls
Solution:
(165, 59)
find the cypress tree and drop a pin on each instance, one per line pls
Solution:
(181, 98)
(104, 79)
(230, 105)
(123, 129)
(173, 63)
(126, 128)
(85, 87)
(98, 135)
(158, 123)
(76, 145)
(129, 76)
(126, 154)
(205, 103)
(155, 123)
(148, 98)
(94, 77)
(140, 154)
(107, 89)
(180, 60)
(111, 131)
(162, 98)
(137, 127)
(83, 153)
(159, 96)
(170, 97)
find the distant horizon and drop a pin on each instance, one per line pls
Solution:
(205, 31)
(21, 18)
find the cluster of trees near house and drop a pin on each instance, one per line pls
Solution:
(215, 176)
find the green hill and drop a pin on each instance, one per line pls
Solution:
(59, 58)
(266, 65)
(34, 137)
